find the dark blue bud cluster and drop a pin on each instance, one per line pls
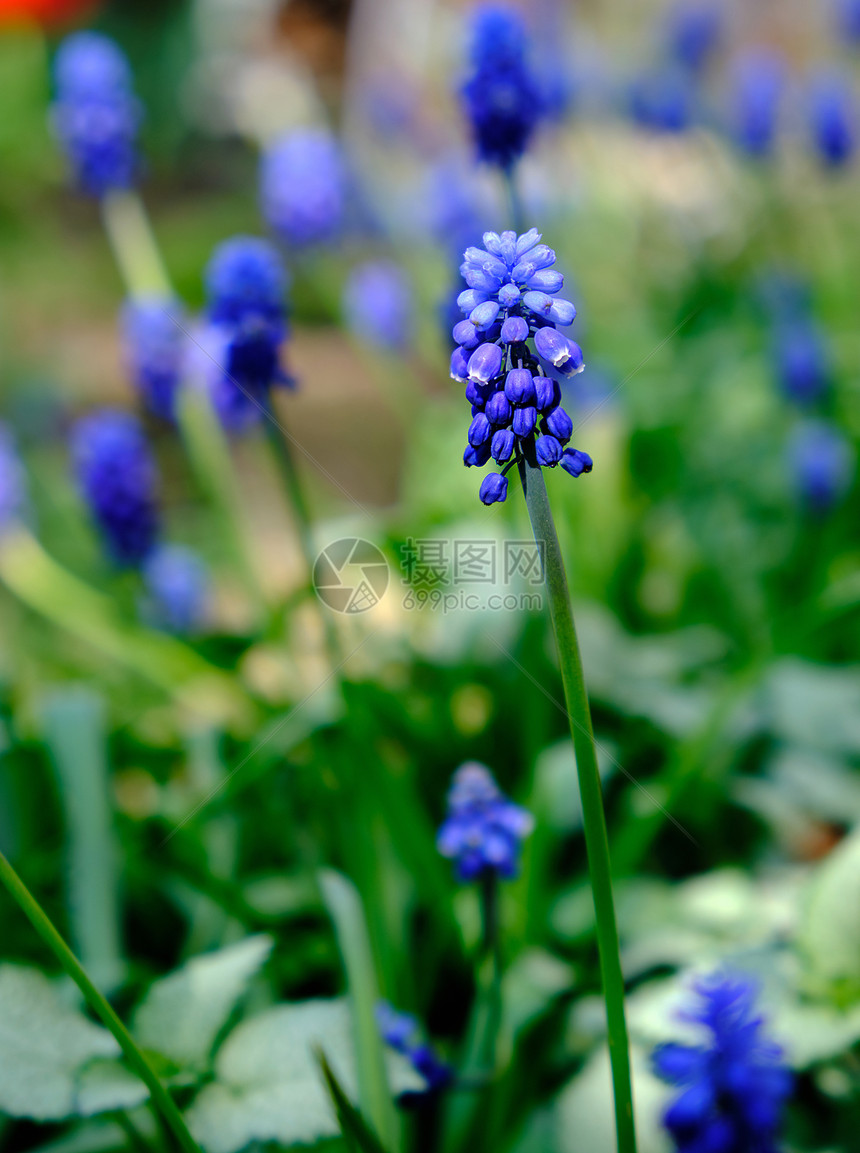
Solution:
(484, 831)
(507, 347)
(176, 585)
(303, 187)
(503, 99)
(96, 115)
(693, 32)
(802, 360)
(821, 463)
(117, 478)
(833, 119)
(377, 304)
(403, 1033)
(13, 483)
(154, 342)
(247, 325)
(734, 1087)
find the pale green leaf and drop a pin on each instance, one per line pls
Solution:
(184, 1012)
(268, 1083)
(829, 937)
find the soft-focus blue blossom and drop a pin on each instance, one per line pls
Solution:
(663, 100)
(154, 339)
(403, 1033)
(821, 461)
(116, 476)
(176, 586)
(735, 1085)
(757, 87)
(508, 349)
(378, 304)
(502, 97)
(96, 115)
(848, 20)
(207, 357)
(303, 187)
(246, 309)
(802, 361)
(483, 831)
(832, 116)
(693, 31)
(13, 483)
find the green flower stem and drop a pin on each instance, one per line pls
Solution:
(594, 819)
(493, 964)
(134, 246)
(209, 454)
(161, 1099)
(279, 442)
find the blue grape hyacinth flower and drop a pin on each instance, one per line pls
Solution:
(96, 115)
(802, 361)
(663, 101)
(758, 84)
(509, 353)
(735, 1086)
(247, 326)
(303, 187)
(13, 483)
(378, 304)
(821, 461)
(833, 122)
(848, 20)
(154, 341)
(693, 32)
(483, 831)
(116, 476)
(403, 1033)
(502, 97)
(176, 584)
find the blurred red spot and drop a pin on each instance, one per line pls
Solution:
(46, 13)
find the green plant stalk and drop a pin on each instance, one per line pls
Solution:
(134, 246)
(279, 442)
(594, 819)
(161, 1099)
(492, 946)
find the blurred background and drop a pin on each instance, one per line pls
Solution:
(170, 785)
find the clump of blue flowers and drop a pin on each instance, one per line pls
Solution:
(176, 584)
(821, 462)
(832, 117)
(13, 483)
(502, 97)
(303, 187)
(378, 304)
(802, 361)
(507, 346)
(483, 831)
(154, 342)
(693, 32)
(240, 352)
(734, 1088)
(403, 1033)
(116, 475)
(96, 115)
(758, 83)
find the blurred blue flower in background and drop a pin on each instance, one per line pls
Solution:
(484, 831)
(693, 32)
(378, 304)
(303, 186)
(403, 1033)
(758, 78)
(821, 460)
(511, 299)
(848, 20)
(735, 1086)
(832, 117)
(116, 476)
(663, 100)
(96, 115)
(802, 361)
(246, 308)
(502, 97)
(13, 482)
(154, 342)
(176, 584)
